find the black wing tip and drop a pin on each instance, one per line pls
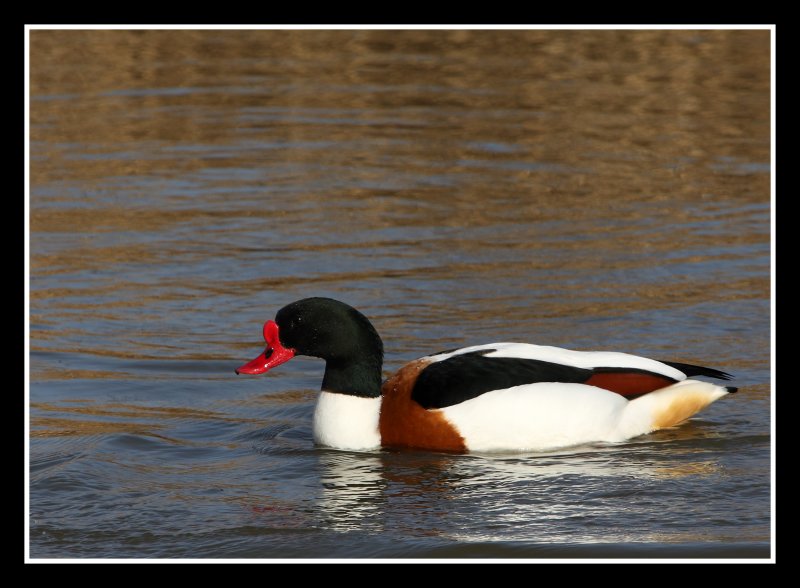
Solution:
(698, 370)
(720, 375)
(732, 389)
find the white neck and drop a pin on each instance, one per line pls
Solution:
(344, 421)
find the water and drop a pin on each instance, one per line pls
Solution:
(587, 189)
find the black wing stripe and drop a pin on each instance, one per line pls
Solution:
(466, 376)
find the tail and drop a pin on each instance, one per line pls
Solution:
(668, 406)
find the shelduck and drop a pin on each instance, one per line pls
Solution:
(486, 398)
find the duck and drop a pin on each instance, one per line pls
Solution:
(495, 397)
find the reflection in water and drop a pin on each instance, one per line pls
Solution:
(479, 498)
(353, 491)
(589, 189)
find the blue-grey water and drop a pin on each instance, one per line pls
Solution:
(586, 189)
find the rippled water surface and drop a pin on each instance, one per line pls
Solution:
(587, 189)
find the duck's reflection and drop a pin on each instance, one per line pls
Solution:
(353, 490)
(489, 496)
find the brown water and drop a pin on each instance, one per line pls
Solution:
(587, 189)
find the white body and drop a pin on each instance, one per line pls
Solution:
(538, 417)
(532, 417)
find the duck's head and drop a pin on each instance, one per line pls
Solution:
(328, 329)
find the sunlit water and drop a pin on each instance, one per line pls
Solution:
(587, 189)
